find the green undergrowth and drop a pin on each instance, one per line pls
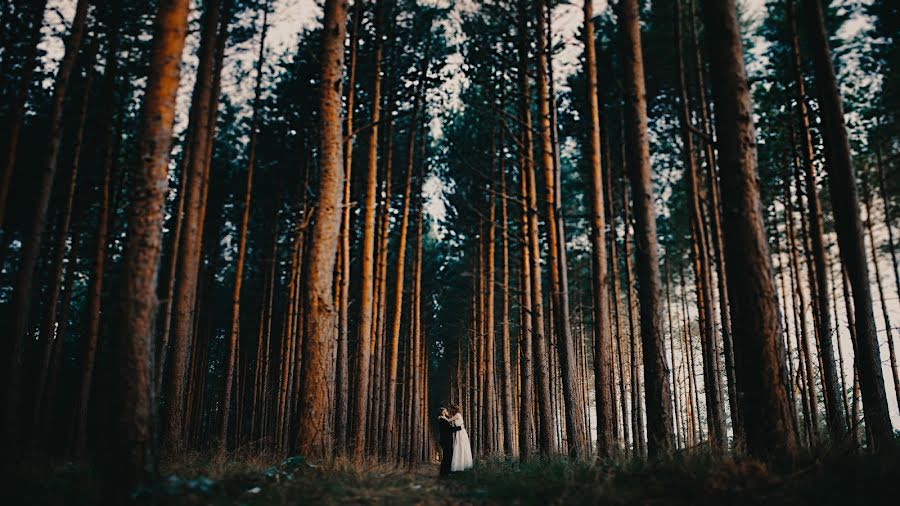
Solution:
(684, 478)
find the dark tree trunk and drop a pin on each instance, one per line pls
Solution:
(22, 294)
(845, 204)
(759, 351)
(656, 387)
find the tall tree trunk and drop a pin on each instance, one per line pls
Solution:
(558, 289)
(343, 376)
(656, 387)
(833, 409)
(715, 214)
(95, 287)
(602, 338)
(133, 446)
(637, 428)
(185, 294)
(889, 332)
(366, 299)
(715, 414)
(542, 371)
(526, 344)
(510, 444)
(399, 271)
(22, 293)
(48, 330)
(759, 351)
(845, 203)
(231, 352)
(314, 432)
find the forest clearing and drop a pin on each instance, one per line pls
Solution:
(450, 251)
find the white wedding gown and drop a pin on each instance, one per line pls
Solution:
(462, 449)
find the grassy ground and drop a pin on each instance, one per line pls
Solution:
(847, 479)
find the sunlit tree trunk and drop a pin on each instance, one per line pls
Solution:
(558, 290)
(366, 299)
(320, 325)
(540, 344)
(186, 288)
(343, 288)
(133, 441)
(390, 439)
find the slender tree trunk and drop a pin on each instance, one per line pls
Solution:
(888, 328)
(396, 321)
(715, 214)
(656, 388)
(185, 294)
(715, 414)
(364, 340)
(526, 349)
(48, 330)
(759, 352)
(558, 289)
(133, 446)
(231, 352)
(545, 412)
(343, 376)
(511, 445)
(95, 288)
(314, 434)
(833, 409)
(22, 293)
(844, 202)
(601, 331)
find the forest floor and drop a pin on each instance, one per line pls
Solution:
(682, 479)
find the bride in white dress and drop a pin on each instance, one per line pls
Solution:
(462, 449)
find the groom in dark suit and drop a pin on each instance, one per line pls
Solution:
(445, 432)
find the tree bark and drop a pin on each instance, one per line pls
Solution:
(555, 239)
(833, 409)
(133, 447)
(22, 293)
(185, 294)
(759, 351)
(364, 340)
(314, 433)
(602, 338)
(399, 272)
(845, 205)
(715, 414)
(656, 387)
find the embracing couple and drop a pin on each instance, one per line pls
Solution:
(455, 447)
